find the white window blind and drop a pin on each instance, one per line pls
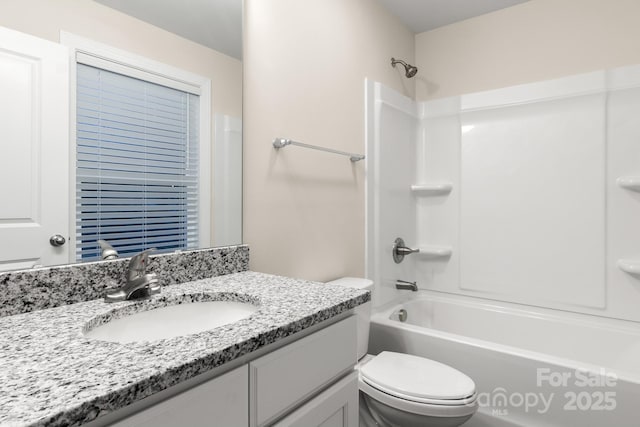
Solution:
(137, 164)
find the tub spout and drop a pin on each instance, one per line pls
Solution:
(404, 285)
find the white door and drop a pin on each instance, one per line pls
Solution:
(34, 151)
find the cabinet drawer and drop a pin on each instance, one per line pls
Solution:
(335, 407)
(222, 401)
(290, 375)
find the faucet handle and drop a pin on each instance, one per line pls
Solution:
(139, 283)
(399, 250)
(138, 264)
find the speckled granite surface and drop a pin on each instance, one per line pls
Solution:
(51, 375)
(36, 289)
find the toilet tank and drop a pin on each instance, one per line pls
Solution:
(362, 311)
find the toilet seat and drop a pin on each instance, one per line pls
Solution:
(417, 385)
(425, 409)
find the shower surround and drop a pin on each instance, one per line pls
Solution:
(528, 194)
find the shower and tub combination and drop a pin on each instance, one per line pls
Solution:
(518, 207)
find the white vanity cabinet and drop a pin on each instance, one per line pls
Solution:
(309, 382)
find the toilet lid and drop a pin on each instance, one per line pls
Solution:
(416, 378)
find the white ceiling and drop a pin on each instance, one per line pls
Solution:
(425, 15)
(218, 23)
(214, 23)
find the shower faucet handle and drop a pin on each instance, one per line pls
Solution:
(399, 250)
(406, 251)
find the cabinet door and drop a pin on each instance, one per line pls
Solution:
(285, 378)
(220, 402)
(335, 407)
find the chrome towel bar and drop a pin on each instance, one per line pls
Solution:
(282, 142)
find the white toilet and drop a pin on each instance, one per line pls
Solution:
(402, 390)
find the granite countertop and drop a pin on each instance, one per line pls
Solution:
(50, 374)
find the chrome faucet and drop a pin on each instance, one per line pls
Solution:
(107, 251)
(409, 286)
(140, 284)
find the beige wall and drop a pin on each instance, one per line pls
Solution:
(91, 20)
(305, 65)
(537, 40)
(86, 18)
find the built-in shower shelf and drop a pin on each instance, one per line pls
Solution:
(435, 251)
(631, 266)
(629, 182)
(432, 188)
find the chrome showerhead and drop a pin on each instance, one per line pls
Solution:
(410, 70)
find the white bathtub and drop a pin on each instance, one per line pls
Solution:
(532, 367)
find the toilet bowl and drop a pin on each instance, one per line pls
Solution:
(403, 390)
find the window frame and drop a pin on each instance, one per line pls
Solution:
(156, 70)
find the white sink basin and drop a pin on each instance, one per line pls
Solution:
(172, 321)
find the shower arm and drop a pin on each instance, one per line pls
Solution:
(399, 61)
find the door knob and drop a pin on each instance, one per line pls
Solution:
(57, 240)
